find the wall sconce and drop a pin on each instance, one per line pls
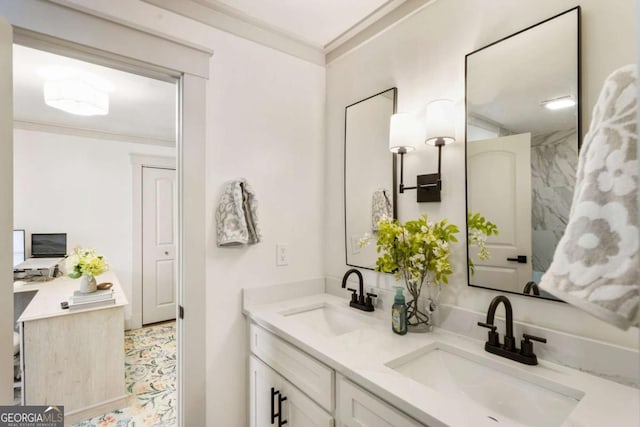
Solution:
(404, 134)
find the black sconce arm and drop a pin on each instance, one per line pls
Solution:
(428, 186)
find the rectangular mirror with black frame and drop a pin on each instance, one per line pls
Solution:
(369, 174)
(522, 138)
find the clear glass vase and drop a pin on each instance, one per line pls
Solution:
(422, 306)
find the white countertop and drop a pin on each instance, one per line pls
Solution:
(46, 303)
(361, 356)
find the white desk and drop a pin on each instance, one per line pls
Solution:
(72, 358)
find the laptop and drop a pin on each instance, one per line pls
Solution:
(47, 251)
(48, 245)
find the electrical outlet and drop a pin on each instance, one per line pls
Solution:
(282, 254)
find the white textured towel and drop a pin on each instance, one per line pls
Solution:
(237, 215)
(596, 266)
(381, 208)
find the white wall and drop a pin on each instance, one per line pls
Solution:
(265, 122)
(266, 125)
(424, 57)
(82, 187)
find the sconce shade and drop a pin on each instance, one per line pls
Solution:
(440, 122)
(76, 97)
(403, 133)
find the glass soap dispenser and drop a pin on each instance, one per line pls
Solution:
(399, 313)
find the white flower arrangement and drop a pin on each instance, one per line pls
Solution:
(85, 262)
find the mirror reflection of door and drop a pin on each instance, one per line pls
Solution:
(499, 181)
(525, 84)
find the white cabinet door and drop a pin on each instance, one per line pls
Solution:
(356, 407)
(313, 378)
(274, 402)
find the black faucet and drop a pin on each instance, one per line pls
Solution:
(358, 300)
(531, 287)
(508, 349)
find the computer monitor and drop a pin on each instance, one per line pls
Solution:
(48, 245)
(18, 247)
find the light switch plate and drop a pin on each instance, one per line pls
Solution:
(282, 254)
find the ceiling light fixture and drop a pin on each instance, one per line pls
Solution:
(75, 96)
(559, 103)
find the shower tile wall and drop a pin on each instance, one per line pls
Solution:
(554, 159)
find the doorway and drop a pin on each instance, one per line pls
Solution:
(44, 24)
(77, 169)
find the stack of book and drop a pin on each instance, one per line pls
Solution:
(80, 300)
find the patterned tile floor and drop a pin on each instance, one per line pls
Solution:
(150, 372)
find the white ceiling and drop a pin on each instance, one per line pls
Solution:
(317, 22)
(507, 82)
(141, 108)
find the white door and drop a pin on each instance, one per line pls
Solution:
(6, 213)
(273, 401)
(499, 184)
(158, 245)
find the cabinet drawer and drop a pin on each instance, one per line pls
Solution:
(309, 375)
(357, 407)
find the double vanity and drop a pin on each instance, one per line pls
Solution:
(315, 361)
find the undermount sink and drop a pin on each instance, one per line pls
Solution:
(327, 320)
(506, 393)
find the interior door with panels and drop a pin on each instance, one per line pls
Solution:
(158, 245)
(499, 181)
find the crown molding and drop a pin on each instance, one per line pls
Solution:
(227, 19)
(352, 40)
(364, 23)
(231, 20)
(90, 133)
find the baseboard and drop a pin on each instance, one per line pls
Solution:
(101, 408)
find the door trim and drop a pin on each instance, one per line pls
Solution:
(6, 218)
(148, 54)
(139, 161)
